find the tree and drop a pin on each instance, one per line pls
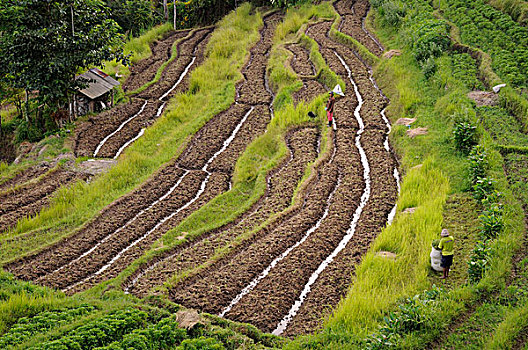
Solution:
(45, 44)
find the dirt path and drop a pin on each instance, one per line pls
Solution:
(107, 244)
(109, 133)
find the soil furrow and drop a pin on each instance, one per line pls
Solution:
(301, 63)
(108, 221)
(24, 176)
(145, 70)
(215, 290)
(145, 222)
(353, 14)
(334, 281)
(34, 191)
(281, 186)
(311, 89)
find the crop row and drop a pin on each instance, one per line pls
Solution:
(496, 33)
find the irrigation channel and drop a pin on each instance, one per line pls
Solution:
(109, 133)
(125, 229)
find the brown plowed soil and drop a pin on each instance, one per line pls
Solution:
(130, 130)
(310, 90)
(110, 219)
(105, 252)
(24, 176)
(301, 63)
(302, 144)
(108, 239)
(213, 288)
(29, 199)
(92, 132)
(145, 70)
(353, 14)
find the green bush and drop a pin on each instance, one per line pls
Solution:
(393, 12)
(428, 38)
(201, 343)
(478, 262)
(478, 163)
(482, 188)
(465, 137)
(43, 322)
(491, 221)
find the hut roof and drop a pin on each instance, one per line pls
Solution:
(99, 83)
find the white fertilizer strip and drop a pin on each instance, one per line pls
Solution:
(119, 129)
(351, 231)
(278, 259)
(198, 194)
(179, 80)
(126, 224)
(141, 132)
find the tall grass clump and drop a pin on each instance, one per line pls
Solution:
(380, 281)
(213, 91)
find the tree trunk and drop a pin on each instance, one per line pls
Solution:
(165, 10)
(174, 14)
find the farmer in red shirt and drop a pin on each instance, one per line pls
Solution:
(330, 108)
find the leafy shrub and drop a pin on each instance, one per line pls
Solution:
(393, 12)
(483, 187)
(478, 262)
(201, 343)
(429, 38)
(478, 163)
(465, 137)
(429, 68)
(491, 221)
(164, 335)
(100, 332)
(412, 315)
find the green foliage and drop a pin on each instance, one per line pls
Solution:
(495, 32)
(38, 34)
(491, 221)
(478, 163)
(479, 261)
(393, 12)
(414, 314)
(201, 343)
(465, 137)
(134, 16)
(465, 70)
(164, 335)
(483, 187)
(100, 332)
(429, 68)
(428, 38)
(42, 322)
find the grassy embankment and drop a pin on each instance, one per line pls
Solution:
(380, 283)
(213, 84)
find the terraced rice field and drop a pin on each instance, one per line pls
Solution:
(283, 266)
